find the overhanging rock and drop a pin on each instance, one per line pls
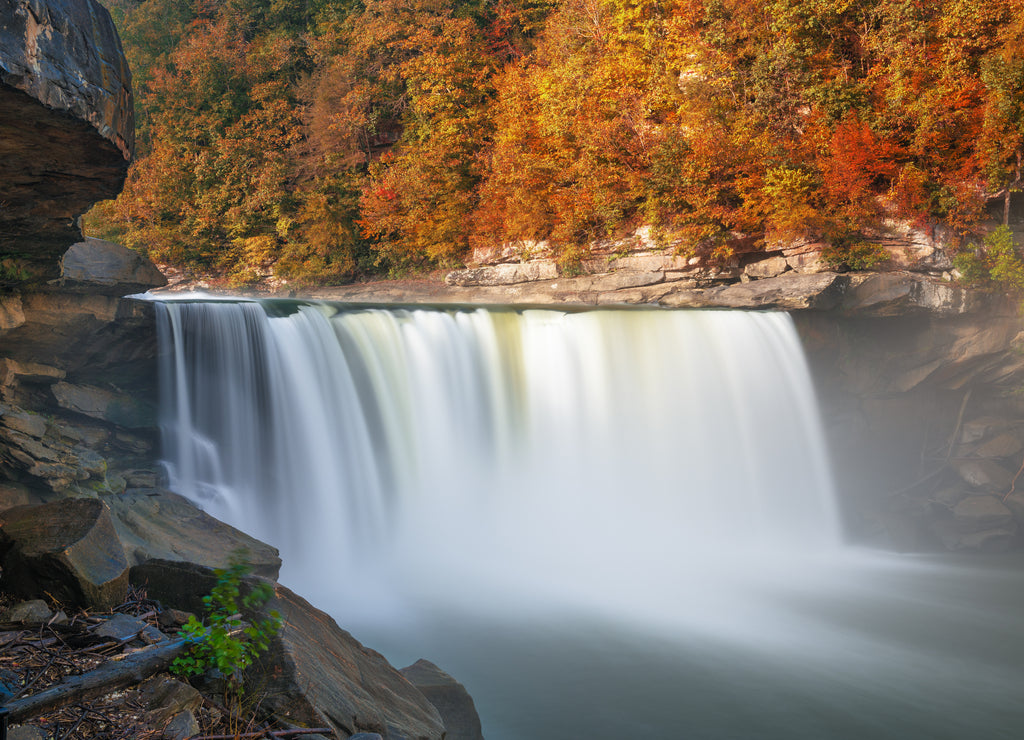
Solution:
(66, 128)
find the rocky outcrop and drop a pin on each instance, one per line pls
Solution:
(449, 697)
(66, 128)
(66, 549)
(78, 377)
(156, 525)
(319, 675)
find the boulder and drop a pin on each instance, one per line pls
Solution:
(165, 698)
(1005, 445)
(157, 525)
(449, 697)
(318, 675)
(979, 513)
(109, 269)
(66, 127)
(986, 475)
(67, 549)
(35, 611)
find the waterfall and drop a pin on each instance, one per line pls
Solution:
(594, 458)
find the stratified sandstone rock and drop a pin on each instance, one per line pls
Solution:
(160, 526)
(320, 676)
(449, 697)
(67, 549)
(66, 127)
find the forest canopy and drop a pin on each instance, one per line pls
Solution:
(324, 140)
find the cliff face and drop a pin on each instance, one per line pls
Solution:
(66, 128)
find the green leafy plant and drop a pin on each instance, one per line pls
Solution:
(223, 641)
(997, 263)
(858, 256)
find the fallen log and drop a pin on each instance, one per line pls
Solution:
(116, 673)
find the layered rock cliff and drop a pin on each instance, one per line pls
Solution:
(66, 128)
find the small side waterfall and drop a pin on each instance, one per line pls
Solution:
(593, 458)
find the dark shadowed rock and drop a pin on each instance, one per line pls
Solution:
(107, 268)
(174, 583)
(449, 697)
(67, 549)
(28, 612)
(318, 675)
(66, 127)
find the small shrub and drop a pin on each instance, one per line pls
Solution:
(220, 641)
(858, 256)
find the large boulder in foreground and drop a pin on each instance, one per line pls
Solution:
(67, 131)
(158, 526)
(317, 675)
(67, 549)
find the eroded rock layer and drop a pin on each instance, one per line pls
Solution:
(66, 128)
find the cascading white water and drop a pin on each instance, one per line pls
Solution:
(596, 458)
(650, 484)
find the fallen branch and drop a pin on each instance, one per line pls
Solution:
(116, 673)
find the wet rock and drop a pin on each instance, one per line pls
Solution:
(983, 474)
(949, 496)
(979, 428)
(68, 549)
(320, 676)
(1005, 445)
(99, 403)
(104, 267)
(157, 525)
(66, 127)
(979, 513)
(449, 697)
(35, 611)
